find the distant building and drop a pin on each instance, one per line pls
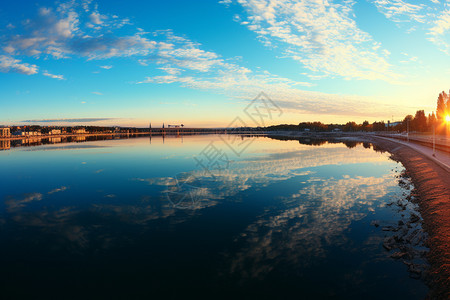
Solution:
(5, 132)
(55, 131)
(393, 124)
(80, 131)
(28, 133)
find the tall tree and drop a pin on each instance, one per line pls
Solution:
(431, 121)
(407, 122)
(420, 121)
(441, 106)
(447, 107)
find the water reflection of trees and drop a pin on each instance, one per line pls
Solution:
(319, 141)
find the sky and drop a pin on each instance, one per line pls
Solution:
(201, 62)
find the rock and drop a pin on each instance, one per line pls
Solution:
(388, 228)
(398, 239)
(397, 255)
(375, 223)
(414, 218)
(389, 243)
(414, 271)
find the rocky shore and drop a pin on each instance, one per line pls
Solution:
(431, 183)
(432, 190)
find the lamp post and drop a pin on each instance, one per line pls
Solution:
(434, 138)
(407, 129)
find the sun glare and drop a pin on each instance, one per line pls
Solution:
(447, 118)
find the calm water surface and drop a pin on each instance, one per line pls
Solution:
(139, 218)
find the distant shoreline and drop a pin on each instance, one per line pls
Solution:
(157, 132)
(20, 137)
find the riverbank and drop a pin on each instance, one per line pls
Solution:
(432, 188)
(431, 180)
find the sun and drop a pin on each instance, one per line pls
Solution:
(447, 118)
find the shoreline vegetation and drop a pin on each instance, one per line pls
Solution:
(436, 123)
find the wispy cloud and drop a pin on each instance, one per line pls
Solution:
(205, 70)
(322, 35)
(97, 93)
(401, 11)
(72, 30)
(59, 77)
(432, 16)
(438, 34)
(10, 64)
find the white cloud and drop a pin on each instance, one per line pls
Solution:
(96, 18)
(106, 67)
(63, 32)
(438, 34)
(319, 34)
(189, 66)
(226, 2)
(9, 64)
(59, 77)
(433, 17)
(326, 40)
(171, 71)
(400, 11)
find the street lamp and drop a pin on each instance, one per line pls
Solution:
(434, 138)
(407, 129)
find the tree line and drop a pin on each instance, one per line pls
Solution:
(420, 122)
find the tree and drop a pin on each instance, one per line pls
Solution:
(350, 126)
(419, 123)
(379, 126)
(447, 107)
(365, 126)
(441, 106)
(407, 120)
(431, 121)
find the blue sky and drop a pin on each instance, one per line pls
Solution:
(201, 62)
